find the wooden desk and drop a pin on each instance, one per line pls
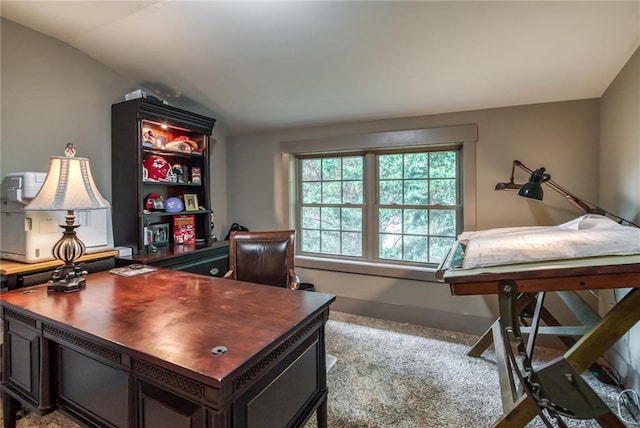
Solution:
(596, 273)
(17, 274)
(137, 352)
(205, 259)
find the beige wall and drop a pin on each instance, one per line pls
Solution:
(620, 186)
(53, 94)
(563, 137)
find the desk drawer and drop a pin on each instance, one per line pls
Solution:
(216, 264)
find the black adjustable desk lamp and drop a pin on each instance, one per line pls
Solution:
(533, 190)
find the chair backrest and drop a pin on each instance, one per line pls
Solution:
(263, 257)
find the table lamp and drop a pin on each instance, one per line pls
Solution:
(68, 186)
(533, 190)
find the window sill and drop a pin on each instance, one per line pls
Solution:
(367, 268)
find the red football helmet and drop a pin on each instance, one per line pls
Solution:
(153, 201)
(155, 168)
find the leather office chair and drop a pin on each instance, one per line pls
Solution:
(263, 257)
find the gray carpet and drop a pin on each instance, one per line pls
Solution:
(398, 375)
(392, 374)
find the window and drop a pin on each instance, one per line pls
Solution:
(387, 203)
(418, 205)
(332, 205)
(414, 206)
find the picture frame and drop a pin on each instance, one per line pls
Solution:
(190, 202)
(159, 233)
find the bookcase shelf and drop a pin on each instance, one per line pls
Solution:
(158, 152)
(166, 214)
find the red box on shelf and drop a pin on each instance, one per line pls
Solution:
(184, 229)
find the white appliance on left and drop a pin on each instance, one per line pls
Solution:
(29, 236)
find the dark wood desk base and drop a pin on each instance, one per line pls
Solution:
(97, 389)
(76, 353)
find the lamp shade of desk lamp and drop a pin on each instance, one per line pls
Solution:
(533, 189)
(68, 186)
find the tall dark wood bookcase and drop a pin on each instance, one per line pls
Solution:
(160, 153)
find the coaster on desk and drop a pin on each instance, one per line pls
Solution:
(133, 270)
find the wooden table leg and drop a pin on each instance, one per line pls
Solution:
(484, 342)
(10, 408)
(321, 414)
(523, 411)
(615, 324)
(487, 338)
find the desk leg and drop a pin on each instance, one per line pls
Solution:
(579, 308)
(321, 414)
(10, 408)
(487, 339)
(505, 374)
(615, 324)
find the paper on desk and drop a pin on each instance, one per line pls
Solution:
(586, 236)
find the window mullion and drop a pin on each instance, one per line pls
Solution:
(297, 191)
(370, 239)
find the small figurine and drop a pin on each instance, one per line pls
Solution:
(171, 176)
(196, 178)
(213, 235)
(180, 173)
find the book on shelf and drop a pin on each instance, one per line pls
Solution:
(184, 229)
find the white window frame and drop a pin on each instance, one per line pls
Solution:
(466, 135)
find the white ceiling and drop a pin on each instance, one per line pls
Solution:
(271, 65)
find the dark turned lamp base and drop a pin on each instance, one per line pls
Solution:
(69, 277)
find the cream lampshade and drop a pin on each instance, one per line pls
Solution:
(68, 186)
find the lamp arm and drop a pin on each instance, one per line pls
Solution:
(517, 163)
(584, 206)
(574, 200)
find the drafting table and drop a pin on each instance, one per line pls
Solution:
(511, 280)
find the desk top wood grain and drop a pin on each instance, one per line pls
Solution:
(177, 317)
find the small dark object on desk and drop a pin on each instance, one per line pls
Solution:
(70, 286)
(68, 279)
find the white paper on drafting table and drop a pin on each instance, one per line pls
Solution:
(586, 236)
